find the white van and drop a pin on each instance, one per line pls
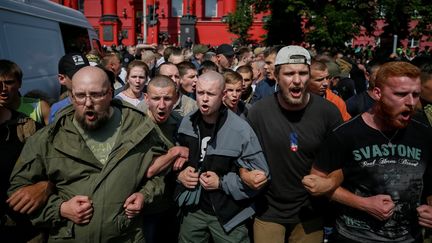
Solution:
(35, 34)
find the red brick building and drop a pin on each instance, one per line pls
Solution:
(117, 20)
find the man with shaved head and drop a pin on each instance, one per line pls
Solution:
(160, 217)
(183, 104)
(213, 199)
(96, 153)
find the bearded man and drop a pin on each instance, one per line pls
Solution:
(96, 154)
(291, 124)
(382, 157)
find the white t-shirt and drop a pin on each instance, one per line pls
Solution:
(133, 101)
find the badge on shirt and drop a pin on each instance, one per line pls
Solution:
(293, 142)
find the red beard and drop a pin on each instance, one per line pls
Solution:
(392, 115)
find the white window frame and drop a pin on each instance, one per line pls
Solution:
(210, 13)
(414, 42)
(175, 12)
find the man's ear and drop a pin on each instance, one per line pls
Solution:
(62, 79)
(376, 93)
(146, 98)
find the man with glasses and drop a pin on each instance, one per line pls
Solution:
(96, 153)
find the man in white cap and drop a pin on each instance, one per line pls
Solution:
(291, 125)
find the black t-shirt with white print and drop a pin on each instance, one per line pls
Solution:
(373, 165)
(205, 131)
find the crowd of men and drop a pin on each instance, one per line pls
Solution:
(163, 144)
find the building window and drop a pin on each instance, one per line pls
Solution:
(176, 8)
(211, 8)
(414, 43)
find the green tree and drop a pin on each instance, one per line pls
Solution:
(240, 22)
(332, 22)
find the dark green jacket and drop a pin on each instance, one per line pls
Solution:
(59, 154)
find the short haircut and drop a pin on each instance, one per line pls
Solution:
(106, 60)
(137, 63)
(272, 50)
(245, 69)
(162, 81)
(232, 77)
(208, 66)
(242, 52)
(175, 52)
(184, 66)
(395, 69)
(259, 63)
(425, 64)
(162, 65)
(10, 69)
(426, 73)
(167, 52)
(147, 56)
(208, 56)
(318, 65)
(212, 76)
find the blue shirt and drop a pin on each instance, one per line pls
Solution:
(58, 106)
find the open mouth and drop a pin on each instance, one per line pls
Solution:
(406, 115)
(161, 115)
(91, 115)
(296, 92)
(204, 107)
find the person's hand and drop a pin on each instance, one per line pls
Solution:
(425, 215)
(254, 179)
(188, 177)
(78, 209)
(182, 154)
(379, 206)
(133, 204)
(180, 151)
(29, 198)
(209, 180)
(318, 185)
(178, 163)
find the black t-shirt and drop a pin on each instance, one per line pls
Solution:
(374, 165)
(290, 141)
(10, 149)
(206, 132)
(359, 103)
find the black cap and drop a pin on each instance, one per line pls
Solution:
(225, 49)
(70, 63)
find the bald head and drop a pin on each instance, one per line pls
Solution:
(212, 76)
(90, 76)
(91, 97)
(170, 70)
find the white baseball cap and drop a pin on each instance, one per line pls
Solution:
(293, 55)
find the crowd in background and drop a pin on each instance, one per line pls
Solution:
(229, 141)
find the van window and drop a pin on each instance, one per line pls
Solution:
(75, 39)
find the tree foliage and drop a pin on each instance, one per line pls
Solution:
(240, 22)
(333, 22)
